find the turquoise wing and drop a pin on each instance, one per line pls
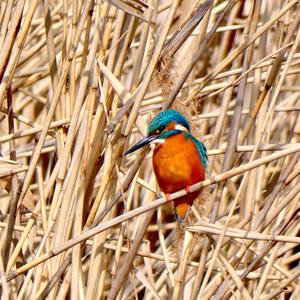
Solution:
(201, 149)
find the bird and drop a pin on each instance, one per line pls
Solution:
(179, 159)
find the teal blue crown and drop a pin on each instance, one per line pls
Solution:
(164, 118)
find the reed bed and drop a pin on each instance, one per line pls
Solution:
(80, 81)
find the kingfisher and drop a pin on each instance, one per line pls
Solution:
(179, 159)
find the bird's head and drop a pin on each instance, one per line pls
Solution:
(165, 124)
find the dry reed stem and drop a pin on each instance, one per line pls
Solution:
(80, 81)
(145, 208)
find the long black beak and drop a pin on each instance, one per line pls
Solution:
(141, 143)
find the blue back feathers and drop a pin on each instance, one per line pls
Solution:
(200, 147)
(160, 122)
(166, 117)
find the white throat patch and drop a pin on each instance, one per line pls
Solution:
(158, 141)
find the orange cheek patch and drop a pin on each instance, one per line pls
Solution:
(171, 126)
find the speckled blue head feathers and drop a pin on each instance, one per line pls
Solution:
(166, 117)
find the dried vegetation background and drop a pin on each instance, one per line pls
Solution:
(80, 80)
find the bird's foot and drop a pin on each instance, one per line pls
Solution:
(167, 197)
(188, 189)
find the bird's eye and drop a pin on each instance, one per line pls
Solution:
(159, 130)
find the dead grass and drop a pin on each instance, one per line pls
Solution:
(80, 81)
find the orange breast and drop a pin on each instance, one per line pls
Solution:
(177, 164)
